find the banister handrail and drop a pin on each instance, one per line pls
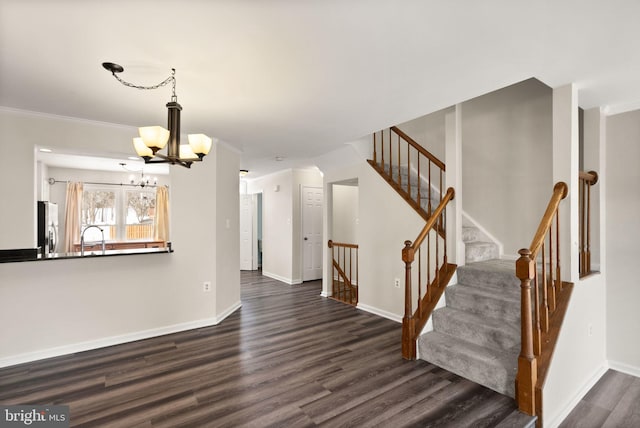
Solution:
(418, 147)
(560, 191)
(540, 291)
(344, 258)
(590, 177)
(434, 286)
(340, 244)
(448, 196)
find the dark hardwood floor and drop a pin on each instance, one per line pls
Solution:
(613, 402)
(287, 358)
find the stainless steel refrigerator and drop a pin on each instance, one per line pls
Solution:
(47, 227)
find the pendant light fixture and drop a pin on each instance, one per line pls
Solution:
(152, 139)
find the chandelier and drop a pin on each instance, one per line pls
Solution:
(152, 139)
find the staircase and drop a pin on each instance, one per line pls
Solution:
(477, 334)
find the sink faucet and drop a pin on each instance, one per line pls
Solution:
(82, 238)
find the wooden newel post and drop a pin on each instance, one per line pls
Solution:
(408, 322)
(527, 364)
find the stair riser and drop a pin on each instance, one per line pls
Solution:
(470, 234)
(492, 374)
(479, 253)
(481, 305)
(479, 278)
(505, 337)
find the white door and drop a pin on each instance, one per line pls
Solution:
(312, 198)
(246, 232)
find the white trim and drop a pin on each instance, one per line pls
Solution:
(563, 413)
(625, 368)
(104, 342)
(231, 309)
(324, 294)
(67, 118)
(379, 312)
(282, 278)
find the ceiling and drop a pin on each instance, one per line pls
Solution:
(296, 79)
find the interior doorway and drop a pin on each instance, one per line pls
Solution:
(251, 231)
(312, 200)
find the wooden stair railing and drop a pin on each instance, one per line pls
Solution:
(391, 158)
(544, 299)
(430, 248)
(587, 179)
(345, 272)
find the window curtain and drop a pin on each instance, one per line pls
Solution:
(161, 219)
(72, 221)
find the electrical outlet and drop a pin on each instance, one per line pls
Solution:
(590, 329)
(206, 286)
(396, 282)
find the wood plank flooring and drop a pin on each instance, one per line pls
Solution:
(614, 402)
(287, 358)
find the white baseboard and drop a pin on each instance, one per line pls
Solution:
(231, 309)
(324, 294)
(560, 416)
(624, 368)
(116, 340)
(282, 278)
(104, 342)
(379, 312)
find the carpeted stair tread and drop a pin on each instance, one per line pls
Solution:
(493, 368)
(487, 301)
(481, 330)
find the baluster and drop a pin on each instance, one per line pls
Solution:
(551, 290)
(419, 180)
(350, 275)
(399, 163)
(436, 280)
(558, 283)
(375, 152)
(587, 265)
(357, 276)
(429, 188)
(545, 301)
(428, 262)
(382, 147)
(420, 281)
(409, 172)
(537, 342)
(582, 221)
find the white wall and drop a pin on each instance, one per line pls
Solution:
(282, 222)
(277, 218)
(61, 306)
(385, 222)
(506, 158)
(429, 131)
(345, 214)
(622, 238)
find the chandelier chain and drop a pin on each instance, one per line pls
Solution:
(165, 82)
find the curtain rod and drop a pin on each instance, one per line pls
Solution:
(54, 181)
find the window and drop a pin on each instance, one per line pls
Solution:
(124, 214)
